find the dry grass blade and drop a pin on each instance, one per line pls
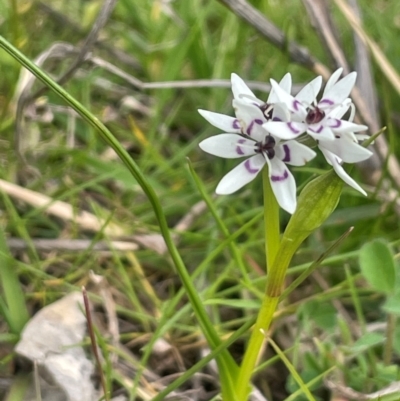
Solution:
(382, 61)
(76, 245)
(365, 82)
(390, 73)
(94, 343)
(323, 24)
(365, 95)
(62, 210)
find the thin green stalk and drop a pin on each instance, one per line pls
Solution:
(269, 304)
(227, 365)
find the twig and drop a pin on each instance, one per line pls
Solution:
(118, 54)
(26, 80)
(323, 24)
(266, 28)
(391, 74)
(94, 343)
(364, 95)
(75, 245)
(63, 210)
(90, 40)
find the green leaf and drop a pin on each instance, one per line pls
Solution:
(316, 202)
(367, 341)
(392, 304)
(14, 308)
(322, 314)
(377, 266)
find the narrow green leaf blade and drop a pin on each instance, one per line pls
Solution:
(16, 313)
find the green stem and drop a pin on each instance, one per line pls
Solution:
(269, 304)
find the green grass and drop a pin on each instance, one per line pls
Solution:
(323, 324)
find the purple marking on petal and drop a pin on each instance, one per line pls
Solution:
(317, 131)
(239, 150)
(279, 178)
(276, 119)
(326, 101)
(249, 168)
(287, 154)
(236, 124)
(337, 123)
(296, 104)
(293, 129)
(250, 127)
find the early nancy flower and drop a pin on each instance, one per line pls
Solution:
(319, 120)
(324, 121)
(344, 148)
(245, 137)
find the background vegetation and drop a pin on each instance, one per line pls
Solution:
(334, 328)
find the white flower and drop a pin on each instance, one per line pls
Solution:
(323, 121)
(245, 137)
(344, 148)
(318, 120)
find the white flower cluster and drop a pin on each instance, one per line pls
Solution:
(267, 133)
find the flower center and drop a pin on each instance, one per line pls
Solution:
(267, 109)
(266, 147)
(314, 115)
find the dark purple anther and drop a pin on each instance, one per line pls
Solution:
(266, 147)
(315, 115)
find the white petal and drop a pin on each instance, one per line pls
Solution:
(282, 95)
(283, 185)
(332, 80)
(284, 130)
(241, 90)
(228, 146)
(294, 153)
(346, 149)
(285, 84)
(241, 175)
(335, 163)
(280, 113)
(344, 126)
(340, 110)
(309, 93)
(338, 92)
(320, 131)
(221, 121)
(250, 118)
